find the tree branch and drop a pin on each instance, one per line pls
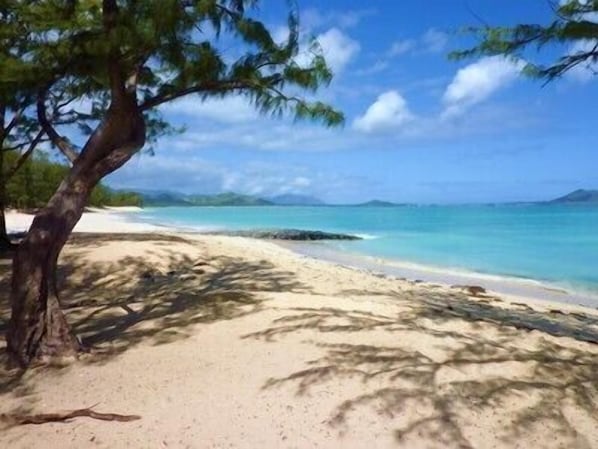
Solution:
(62, 143)
(23, 158)
(13, 122)
(217, 86)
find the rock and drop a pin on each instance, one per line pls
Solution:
(289, 234)
(473, 290)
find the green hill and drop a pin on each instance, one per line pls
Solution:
(578, 196)
(164, 198)
(227, 199)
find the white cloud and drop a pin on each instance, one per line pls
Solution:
(231, 109)
(314, 18)
(194, 174)
(400, 47)
(477, 81)
(434, 41)
(388, 112)
(338, 49)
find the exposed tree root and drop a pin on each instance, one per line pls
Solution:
(42, 418)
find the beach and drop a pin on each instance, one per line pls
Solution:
(233, 342)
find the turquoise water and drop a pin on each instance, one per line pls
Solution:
(555, 243)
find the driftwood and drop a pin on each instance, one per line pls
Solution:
(42, 418)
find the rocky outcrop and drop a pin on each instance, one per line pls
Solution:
(289, 234)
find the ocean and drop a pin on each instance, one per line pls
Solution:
(556, 244)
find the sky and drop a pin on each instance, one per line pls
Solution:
(418, 127)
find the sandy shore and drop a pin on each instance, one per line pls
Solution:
(228, 342)
(111, 219)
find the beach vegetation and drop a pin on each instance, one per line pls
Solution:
(573, 32)
(111, 64)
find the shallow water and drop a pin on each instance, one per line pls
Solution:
(553, 243)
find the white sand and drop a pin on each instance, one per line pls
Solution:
(237, 343)
(113, 219)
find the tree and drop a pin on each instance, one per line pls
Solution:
(19, 132)
(575, 27)
(130, 57)
(15, 135)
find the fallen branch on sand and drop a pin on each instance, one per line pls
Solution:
(42, 418)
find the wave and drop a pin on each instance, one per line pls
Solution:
(366, 236)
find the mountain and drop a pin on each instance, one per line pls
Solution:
(166, 198)
(160, 198)
(578, 196)
(227, 199)
(290, 199)
(377, 203)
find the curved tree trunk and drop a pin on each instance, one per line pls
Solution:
(37, 327)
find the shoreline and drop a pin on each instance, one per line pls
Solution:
(243, 343)
(530, 289)
(123, 220)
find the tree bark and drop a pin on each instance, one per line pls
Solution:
(37, 328)
(4, 240)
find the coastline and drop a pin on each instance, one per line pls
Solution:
(529, 289)
(236, 342)
(125, 220)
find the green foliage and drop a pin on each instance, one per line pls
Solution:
(37, 180)
(172, 48)
(574, 27)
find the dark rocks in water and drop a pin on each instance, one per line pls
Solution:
(289, 234)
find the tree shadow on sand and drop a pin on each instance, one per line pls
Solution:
(471, 363)
(114, 306)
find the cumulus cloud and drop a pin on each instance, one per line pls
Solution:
(477, 81)
(388, 112)
(338, 48)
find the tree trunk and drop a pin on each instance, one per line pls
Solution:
(37, 328)
(4, 240)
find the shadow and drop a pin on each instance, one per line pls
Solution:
(113, 306)
(445, 363)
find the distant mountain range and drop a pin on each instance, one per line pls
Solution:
(578, 196)
(290, 199)
(164, 198)
(160, 198)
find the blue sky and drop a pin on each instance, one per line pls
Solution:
(419, 128)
